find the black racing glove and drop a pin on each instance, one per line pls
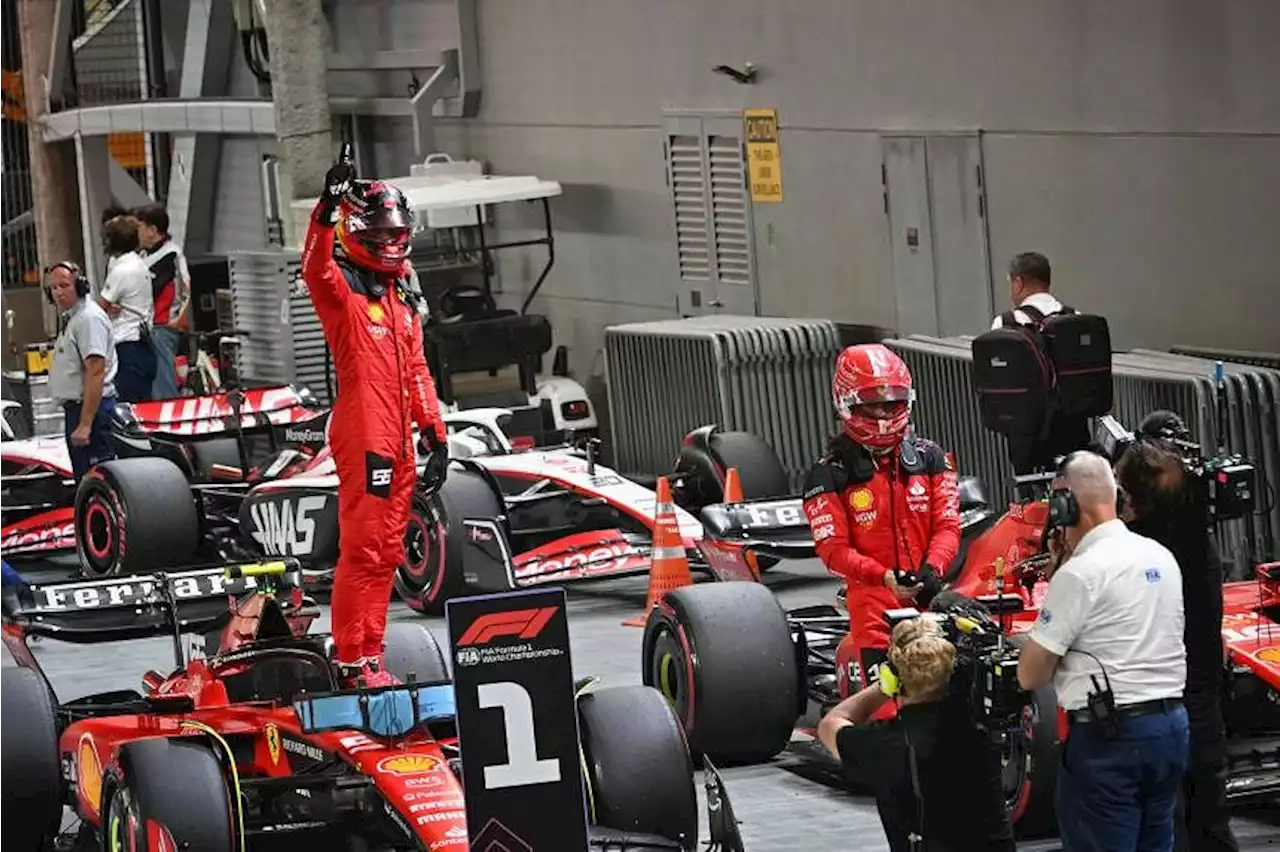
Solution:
(930, 584)
(337, 183)
(437, 464)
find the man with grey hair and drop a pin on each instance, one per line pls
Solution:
(1109, 638)
(82, 375)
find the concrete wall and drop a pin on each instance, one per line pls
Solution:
(1136, 143)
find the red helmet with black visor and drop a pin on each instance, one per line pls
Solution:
(872, 394)
(375, 226)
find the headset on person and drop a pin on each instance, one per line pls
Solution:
(1064, 509)
(82, 281)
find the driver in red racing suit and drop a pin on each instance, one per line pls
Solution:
(882, 505)
(368, 311)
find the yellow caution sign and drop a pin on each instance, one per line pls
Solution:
(39, 358)
(764, 156)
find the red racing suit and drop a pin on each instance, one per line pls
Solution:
(384, 389)
(871, 513)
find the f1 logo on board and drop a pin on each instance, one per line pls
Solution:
(522, 623)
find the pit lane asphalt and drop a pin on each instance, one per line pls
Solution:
(776, 809)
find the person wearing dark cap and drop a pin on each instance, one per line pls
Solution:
(1168, 504)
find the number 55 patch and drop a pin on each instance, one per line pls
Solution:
(377, 474)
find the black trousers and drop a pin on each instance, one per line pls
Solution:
(1203, 822)
(136, 370)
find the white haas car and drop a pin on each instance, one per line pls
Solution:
(507, 519)
(504, 519)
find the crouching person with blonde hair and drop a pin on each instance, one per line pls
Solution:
(935, 775)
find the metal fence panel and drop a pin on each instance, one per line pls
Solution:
(765, 375)
(1144, 380)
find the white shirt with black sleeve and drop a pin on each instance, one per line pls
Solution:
(1117, 599)
(1043, 302)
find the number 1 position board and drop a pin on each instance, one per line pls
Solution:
(517, 722)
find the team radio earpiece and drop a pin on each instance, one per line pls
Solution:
(82, 283)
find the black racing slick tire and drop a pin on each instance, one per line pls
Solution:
(636, 765)
(723, 655)
(172, 786)
(436, 539)
(410, 649)
(1032, 758)
(701, 469)
(133, 516)
(31, 774)
(759, 469)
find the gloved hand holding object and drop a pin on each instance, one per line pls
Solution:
(361, 298)
(436, 467)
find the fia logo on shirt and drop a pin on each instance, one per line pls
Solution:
(1153, 575)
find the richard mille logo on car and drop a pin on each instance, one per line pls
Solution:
(301, 749)
(285, 529)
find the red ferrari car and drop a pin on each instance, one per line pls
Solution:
(257, 746)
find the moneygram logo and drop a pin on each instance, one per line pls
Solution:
(521, 623)
(303, 436)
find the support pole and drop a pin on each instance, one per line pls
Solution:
(298, 39)
(55, 200)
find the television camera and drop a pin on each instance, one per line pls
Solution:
(1229, 479)
(984, 680)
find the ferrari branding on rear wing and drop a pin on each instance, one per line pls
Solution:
(736, 532)
(773, 514)
(127, 591)
(122, 608)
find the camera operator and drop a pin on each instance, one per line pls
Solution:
(936, 776)
(1169, 504)
(1109, 636)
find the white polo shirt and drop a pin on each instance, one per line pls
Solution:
(1118, 598)
(1044, 302)
(128, 285)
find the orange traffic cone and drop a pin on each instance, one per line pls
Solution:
(732, 487)
(669, 567)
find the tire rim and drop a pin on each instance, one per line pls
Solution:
(98, 524)
(423, 570)
(1013, 775)
(669, 672)
(116, 822)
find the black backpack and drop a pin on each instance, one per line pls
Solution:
(1058, 366)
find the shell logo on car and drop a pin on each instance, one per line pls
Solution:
(89, 773)
(861, 499)
(1269, 655)
(409, 764)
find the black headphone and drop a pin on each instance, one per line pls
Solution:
(82, 283)
(1064, 509)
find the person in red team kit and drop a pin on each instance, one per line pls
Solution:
(370, 319)
(882, 505)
